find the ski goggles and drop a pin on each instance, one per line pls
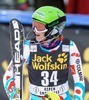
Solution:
(39, 31)
(39, 27)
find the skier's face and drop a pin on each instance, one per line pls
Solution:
(39, 30)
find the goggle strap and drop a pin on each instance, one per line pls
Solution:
(56, 22)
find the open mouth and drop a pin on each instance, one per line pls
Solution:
(37, 35)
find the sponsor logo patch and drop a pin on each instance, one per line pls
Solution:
(65, 48)
(33, 48)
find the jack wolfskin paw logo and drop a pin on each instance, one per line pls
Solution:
(62, 58)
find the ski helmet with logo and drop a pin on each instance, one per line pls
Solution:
(53, 18)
